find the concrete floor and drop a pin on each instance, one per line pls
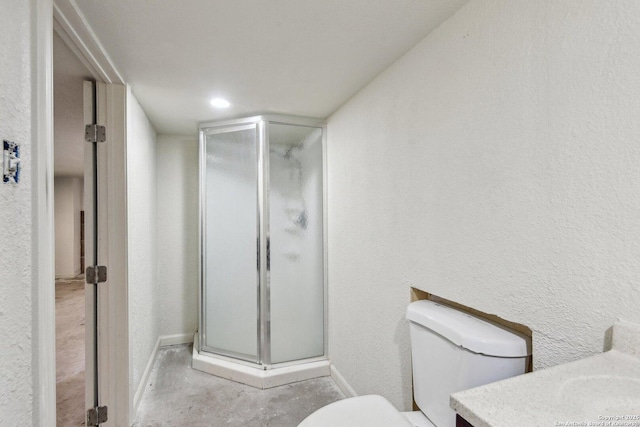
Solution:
(178, 395)
(70, 351)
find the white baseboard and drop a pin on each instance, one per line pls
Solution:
(162, 341)
(342, 383)
(176, 339)
(137, 397)
(67, 276)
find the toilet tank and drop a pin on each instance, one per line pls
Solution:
(453, 351)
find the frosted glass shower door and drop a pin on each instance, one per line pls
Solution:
(296, 276)
(230, 227)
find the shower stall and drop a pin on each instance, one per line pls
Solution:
(262, 308)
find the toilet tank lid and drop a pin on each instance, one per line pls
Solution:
(467, 331)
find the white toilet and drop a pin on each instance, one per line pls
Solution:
(451, 351)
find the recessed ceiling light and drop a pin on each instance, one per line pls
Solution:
(220, 103)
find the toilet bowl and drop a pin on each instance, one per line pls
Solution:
(371, 410)
(451, 351)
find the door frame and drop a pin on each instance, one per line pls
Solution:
(70, 24)
(112, 309)
(44, 308)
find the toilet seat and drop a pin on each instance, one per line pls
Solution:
(362, 411)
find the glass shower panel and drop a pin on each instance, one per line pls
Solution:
(230, 291)
(296, 277)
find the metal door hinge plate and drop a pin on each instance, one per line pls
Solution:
(96, 274)
(96, 416)
(95, 133)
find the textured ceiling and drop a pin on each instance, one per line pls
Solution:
(304, 57)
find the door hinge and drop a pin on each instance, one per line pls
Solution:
(96, 274)
(96, 416)
(95, 133)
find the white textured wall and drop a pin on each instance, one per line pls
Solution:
(68, 204)
(68, 109)
(144, 291)
(497, 165)
(177, 225)
(17, 386)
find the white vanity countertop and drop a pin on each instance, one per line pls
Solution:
(602, 390)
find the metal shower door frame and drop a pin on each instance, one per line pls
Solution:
(234, 126)
(261, 124)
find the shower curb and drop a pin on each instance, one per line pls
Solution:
(258, 378)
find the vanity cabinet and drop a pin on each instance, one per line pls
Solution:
(461, 422)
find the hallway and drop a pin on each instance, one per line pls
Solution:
(70, 351)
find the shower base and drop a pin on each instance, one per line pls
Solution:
(256, 377)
